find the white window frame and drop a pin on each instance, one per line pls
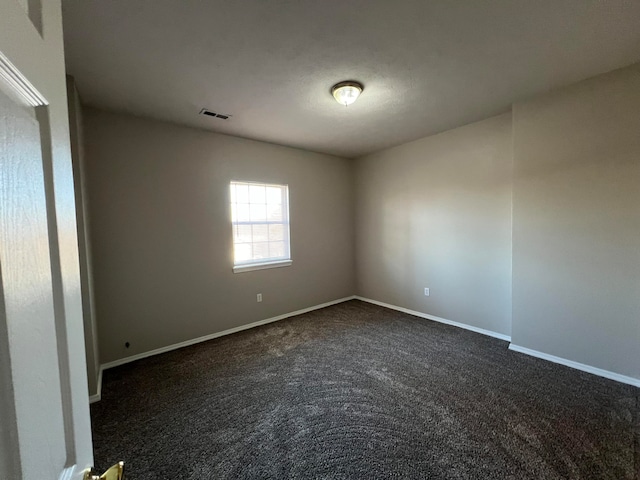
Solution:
(269, 262)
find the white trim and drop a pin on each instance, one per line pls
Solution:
(96, 398)
(515, 348)
(578, 366)
(261, 266)
(19, 85)
(437, 319)
(193, 341)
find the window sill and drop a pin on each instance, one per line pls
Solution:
(261, 266)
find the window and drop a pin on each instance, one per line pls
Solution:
(260, 222)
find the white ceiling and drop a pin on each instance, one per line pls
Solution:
(427, 65)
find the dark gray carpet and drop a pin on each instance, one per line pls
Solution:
(360, 391)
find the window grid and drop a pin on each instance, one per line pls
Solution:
(260, 223)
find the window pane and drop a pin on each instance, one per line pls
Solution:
(243, 234)
(257, 194)
(260, 250)
(274, 195)
(260, 233)
(276, 249)
(274, 213)
(275, 232)
(260, 222)
(242, 193)
(242, 213)
(242, 252)
(258, 212)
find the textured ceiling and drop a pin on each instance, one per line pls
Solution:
(427, 65)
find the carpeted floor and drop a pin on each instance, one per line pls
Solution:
(357, 391)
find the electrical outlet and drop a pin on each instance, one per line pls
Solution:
(426, 292)
(259, 298)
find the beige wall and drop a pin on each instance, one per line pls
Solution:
(553, 189)
(161, 232)
(576, 227)
(437, 213)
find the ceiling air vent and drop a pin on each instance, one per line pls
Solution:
(204, 111)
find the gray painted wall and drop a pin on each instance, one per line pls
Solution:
(576, 228)
(161, 232)
(437, 213)
(555, 189)
(76, 133)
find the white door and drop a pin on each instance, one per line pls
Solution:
(44, 412)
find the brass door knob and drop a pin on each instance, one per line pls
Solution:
(114, 473)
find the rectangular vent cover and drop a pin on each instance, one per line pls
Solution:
(204, 111)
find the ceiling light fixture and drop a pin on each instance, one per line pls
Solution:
(347, 92)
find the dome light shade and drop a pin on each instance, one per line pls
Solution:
(346, 93)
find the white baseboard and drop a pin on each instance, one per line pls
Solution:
(516, 348)
(578, 366)
(98, 395)
(437, 319)
(193, 341)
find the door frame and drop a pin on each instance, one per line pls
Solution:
(32, 75)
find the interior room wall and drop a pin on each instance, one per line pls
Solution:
(161, 231)
(76, 132)
(552, 189)
(436, 213)
(576, 222)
